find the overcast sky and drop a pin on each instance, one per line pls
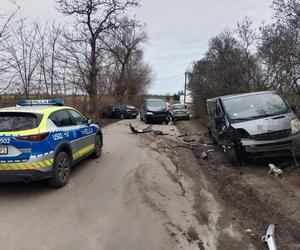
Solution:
(178, 30)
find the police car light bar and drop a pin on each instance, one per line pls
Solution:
(56, 102)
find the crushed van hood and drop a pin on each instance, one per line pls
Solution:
(266, 125)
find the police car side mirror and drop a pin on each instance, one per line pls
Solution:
(89, 122)
(294, 108)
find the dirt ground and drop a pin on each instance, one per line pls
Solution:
(195, 213)
(154, 192)
(256, 198)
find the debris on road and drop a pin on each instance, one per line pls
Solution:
(158, 132)
(204, 155)
(140, 131)
(189, 140)
(275, 170)
(148, 129)
(210, 151)
(269, 238)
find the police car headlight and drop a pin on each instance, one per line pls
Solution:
(149, 113)
(295, 124)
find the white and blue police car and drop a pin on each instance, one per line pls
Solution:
(42, 139)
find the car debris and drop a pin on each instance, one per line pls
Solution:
(140, 131)
(210, 151)
(204, 155)
(269, 238)
(148, 129)
(275, 170)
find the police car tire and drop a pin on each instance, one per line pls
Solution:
(56, 181)
(97, 153)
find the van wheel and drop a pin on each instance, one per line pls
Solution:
(122, 116)
(212, 138)
(237, 156)
(61, 170)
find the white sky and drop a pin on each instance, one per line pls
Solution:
(178, 30)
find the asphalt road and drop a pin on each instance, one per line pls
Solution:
(128, 199)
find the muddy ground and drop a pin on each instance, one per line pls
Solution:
(256, 197)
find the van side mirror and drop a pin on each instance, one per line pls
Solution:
(294, 108)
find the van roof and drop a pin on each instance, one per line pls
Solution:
(239, 95)
(155, 100)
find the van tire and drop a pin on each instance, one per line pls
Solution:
(237, 156)
(61, 170)
(146, 120)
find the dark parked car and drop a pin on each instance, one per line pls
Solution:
(179, 112)
(154, 111)
(121, 111)
(254, 124)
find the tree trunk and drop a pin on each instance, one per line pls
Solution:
(93, 79)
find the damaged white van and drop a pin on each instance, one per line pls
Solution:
(259, 124)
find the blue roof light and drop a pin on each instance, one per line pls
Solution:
(55, 102)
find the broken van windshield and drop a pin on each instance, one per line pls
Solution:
(255, 106)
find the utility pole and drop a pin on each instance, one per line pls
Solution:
(185, 85)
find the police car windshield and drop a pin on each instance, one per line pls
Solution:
(255, 106)
(17, 121)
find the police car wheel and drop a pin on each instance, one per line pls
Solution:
(61, 170)
(98, 149)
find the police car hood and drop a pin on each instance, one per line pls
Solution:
(266, 125)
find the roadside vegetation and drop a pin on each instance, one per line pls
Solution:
(245, 59)
(94, 58)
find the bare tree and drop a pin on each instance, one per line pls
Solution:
(22, 56)
(7, 20)
(93, 18)
(50, 56)
(124, 43)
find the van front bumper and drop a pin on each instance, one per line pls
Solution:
(284, 144)
(157, 117)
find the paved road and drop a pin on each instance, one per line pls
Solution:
(128, 199)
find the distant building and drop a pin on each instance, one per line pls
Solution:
(189, 98)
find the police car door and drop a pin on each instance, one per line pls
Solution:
(85, 134)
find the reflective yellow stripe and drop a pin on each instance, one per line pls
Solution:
(28, 166)
(83, 151)
(36, 165)
(42, 164)
(14, 166)
(48, 163)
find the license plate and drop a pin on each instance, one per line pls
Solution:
(3, 150)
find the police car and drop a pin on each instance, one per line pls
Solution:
(42, 139)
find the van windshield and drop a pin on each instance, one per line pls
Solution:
(160, 104)
(255, 106)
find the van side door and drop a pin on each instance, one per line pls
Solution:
(218, 121)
